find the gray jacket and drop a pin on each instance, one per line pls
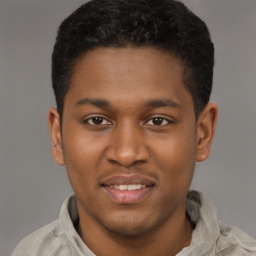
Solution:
(210, 236)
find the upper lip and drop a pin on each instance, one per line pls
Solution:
(123, 179)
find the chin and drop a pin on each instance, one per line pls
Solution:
(128, 227)
(127, 232)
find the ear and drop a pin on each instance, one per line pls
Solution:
(206, 125)
(55, 134)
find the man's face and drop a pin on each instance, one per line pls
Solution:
(129, 138)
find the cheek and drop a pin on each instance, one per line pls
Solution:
(176, 164)
(81, 146)
(175, 157)
(82, 155)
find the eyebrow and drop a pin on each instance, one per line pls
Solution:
(152, 103)
(158, 103)
(101, 103)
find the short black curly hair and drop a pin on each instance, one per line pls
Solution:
(163, 24)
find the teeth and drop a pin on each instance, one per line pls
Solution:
(128, 187)
(132, 187)
(123, 187)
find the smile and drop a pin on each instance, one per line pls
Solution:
(128, 187)
(127, 194)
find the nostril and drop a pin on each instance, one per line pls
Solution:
(127, 151)
(127, 164)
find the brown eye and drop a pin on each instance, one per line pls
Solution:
(157, 121)
(97, 120)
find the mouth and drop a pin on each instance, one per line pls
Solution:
(123, 189)
(130, 187)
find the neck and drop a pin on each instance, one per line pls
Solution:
(171, 238)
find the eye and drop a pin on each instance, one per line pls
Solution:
(158, 121)
(97, 120)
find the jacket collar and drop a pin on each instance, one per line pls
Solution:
(199, 210)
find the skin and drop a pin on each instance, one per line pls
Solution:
(140, 133)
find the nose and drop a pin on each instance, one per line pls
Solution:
(128, 146)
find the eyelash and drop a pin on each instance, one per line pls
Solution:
(159, 118)
(104, 121)
(90, 121)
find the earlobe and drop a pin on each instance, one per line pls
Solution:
(206, 125)
(55, 134)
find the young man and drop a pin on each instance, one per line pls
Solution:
(132, 80)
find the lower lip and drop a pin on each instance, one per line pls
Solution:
(127, 196)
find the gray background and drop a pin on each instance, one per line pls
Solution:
(33, 187)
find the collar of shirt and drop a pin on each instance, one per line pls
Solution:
(199, 209)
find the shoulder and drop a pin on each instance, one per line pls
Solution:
(48, 240)
(233, 241)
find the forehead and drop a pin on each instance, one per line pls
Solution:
(128, 74)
